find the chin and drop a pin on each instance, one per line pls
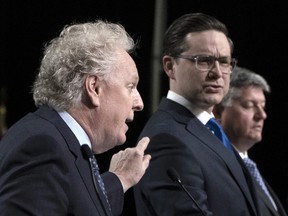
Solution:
(122, 140)
(214, 99)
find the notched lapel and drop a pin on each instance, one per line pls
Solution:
(201, 132)
(82, 165)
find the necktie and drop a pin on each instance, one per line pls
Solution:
(95, 170)
(252, 167)
(214, 126)
(95, 173)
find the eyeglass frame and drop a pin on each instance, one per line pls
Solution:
(194, 59)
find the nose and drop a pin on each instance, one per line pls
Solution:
(216, 70)
(261, 114)
(138, 104)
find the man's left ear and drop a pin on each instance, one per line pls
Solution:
(93, 89)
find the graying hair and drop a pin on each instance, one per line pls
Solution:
(242, 77)
(80, 50)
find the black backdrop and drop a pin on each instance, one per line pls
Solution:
(258, 29)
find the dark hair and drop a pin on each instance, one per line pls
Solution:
(174, 38)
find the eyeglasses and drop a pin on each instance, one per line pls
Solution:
(206, 63)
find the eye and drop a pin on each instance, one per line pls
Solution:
(131, 87)
(205, 60)
(248, 105)
(263, 106)
(224, 61)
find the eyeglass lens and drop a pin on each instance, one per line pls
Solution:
(207, 62)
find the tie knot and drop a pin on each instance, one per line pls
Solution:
(214, 126)
(213, 122)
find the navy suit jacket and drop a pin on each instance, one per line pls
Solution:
(216, 178)
(43, 171)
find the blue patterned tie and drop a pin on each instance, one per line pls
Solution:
(95, 170)
(252, 167)
(214, 126)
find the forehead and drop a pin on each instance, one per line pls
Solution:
(251, 91)
(125, 66)
(208, 41)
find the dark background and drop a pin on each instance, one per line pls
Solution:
(258, 29)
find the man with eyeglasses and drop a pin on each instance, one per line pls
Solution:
(213, 179)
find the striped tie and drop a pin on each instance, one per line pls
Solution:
(95, 170)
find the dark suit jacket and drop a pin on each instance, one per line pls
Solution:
(43, 172)
(266, 206)
(211, 174)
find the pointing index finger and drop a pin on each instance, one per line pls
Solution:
(143, 143)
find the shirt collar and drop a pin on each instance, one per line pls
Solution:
(202, 115)
(78, 131)
(242, 154)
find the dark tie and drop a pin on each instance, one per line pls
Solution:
(99, 185)
(214, 126)
(252, 167)
(95, 170)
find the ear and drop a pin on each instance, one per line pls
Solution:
(168, 66)
(93, 89)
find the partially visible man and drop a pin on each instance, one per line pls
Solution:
(86, 93)
(242, 115)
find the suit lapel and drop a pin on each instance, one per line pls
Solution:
(201, 132)
(82, 165)
(267, 202)
(196, 127)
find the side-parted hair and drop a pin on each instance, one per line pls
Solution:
(174, 42)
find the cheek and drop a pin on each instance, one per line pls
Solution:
(192, 82)
(238, 118)
(230, 117)
(124, 105)
(226, 85)
(185, 74)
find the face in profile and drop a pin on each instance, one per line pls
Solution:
(119, 100)
(244, 120)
